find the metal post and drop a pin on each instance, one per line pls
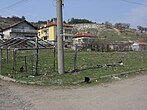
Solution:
(7, 56)
(36, 69)
(75, 58)
(54, 62)
(26, 64)
(60, 37)
(14, 60)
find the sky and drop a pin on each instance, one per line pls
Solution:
(99, 11)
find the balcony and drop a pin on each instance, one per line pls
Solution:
(24, 31)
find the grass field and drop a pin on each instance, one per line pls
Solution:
(86, 65)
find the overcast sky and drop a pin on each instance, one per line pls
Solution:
(98, 11)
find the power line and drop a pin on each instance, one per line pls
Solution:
(14, 4)
(137, 3)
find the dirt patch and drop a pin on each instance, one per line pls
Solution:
(129, 94)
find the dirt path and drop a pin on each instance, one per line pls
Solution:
(129, 94)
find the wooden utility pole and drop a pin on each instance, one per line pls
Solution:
(60, 47)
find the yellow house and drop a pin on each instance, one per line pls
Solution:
(48, 33)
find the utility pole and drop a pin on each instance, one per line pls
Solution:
(60, 47)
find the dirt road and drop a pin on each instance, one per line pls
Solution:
(129, 94)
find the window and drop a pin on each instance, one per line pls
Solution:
(85, 40)
(29, 36)
(45, 37)
(66, 37)
(68, 31)
(2, 36)
(38, 33)
(45, 31)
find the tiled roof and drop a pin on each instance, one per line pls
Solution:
(55, 24)
(84, 35)
(15, 24)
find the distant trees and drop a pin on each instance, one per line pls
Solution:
(78, 21)
(53, 19)
(108, 24)
(13, 18)
(122, 26)
(23, 18)
(142, 29)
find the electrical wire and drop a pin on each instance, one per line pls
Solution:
(137, 3)
(14, 4)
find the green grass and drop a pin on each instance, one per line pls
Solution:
(86, 63)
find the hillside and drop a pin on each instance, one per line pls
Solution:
(111, 35)
(103, 33)
(8, 21)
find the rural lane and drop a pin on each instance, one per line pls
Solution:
(128, 94)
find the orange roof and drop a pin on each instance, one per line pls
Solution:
(55, 24)
(84, 35)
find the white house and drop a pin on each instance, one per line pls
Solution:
(139, 46)
(83, 39)
(22, 29)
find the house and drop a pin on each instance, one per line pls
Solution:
(49, 33)
(139, 46)
(84, 39)
(22, 29)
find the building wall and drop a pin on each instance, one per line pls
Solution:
(67, 33)
(7, 34)
(24, 27)
(52, 33)
(42, 33)
(83, 40)
(22, 30)
(139, 47)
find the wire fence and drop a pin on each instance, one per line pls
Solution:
(13, 61)
(23, 61)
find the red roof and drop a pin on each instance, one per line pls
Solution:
(84, 35)
(140, 43)
(55, 24)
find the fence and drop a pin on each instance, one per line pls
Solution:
(25, 61)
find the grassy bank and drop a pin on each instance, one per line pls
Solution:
(86, 66)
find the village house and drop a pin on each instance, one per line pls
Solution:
(139, 46)
(22, 29)
(84, 39)
(49, 33)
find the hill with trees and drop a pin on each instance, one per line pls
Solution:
(78, 21)
(8, 21)
(111, 34)
(105, 32)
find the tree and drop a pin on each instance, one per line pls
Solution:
(122, 26)
(53, 19)
(108, 24)
(23, 18)
(140, 28)
(78, 21)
